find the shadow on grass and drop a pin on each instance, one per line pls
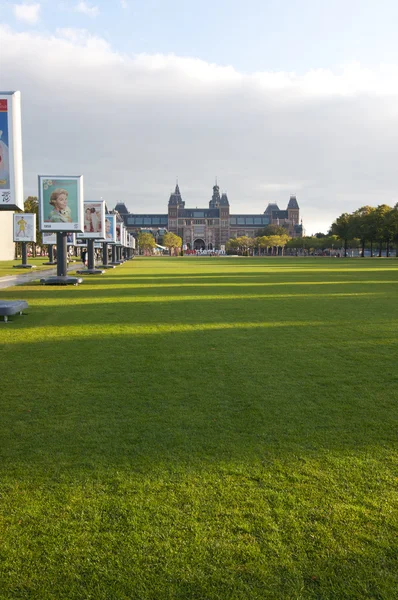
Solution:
(135, 401)
(85, 309)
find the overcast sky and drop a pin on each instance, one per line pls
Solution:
(274, 98)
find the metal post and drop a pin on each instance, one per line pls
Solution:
(90, 252)
(105, 254)
(62, 254)
(24, 253)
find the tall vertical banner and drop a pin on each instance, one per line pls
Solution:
(24, 227)
(11, 179)
(110, 228)
(61, 203)
(118, 233)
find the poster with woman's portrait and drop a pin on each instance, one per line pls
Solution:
(94, 220)
(110, 228)
(24, 227)
(11, 180)
(61, 203)
(118, 233)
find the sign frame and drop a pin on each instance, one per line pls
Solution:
(11, 172)
(52, 187)
(18, 226)
(94, 206)
(112, 230)
(53, 239)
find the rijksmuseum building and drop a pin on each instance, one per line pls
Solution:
(210, 228)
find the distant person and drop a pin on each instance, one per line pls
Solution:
(61, 212)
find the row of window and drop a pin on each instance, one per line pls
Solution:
(141, 221)
(249, 220)
(147, 221)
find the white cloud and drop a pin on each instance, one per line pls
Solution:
(123, 3)
(86, 9)
(27, 12)
(131, 124)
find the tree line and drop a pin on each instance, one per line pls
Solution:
(369, 227)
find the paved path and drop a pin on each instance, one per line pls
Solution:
(31, 275)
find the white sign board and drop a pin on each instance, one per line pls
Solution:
(25, 227)
(61, 203)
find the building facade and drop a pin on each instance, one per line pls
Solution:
(210, 228)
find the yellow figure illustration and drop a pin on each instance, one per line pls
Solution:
(22, 224)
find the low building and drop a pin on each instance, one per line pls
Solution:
(210, 228)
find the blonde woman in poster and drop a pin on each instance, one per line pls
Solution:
(61, 213)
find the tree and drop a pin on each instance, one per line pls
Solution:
(146, 242)
(383, 233)
(271, 230)
(232, 245)
(244, 243)
(343, 228)
(362, 225)
(172, 241)
(261, 242)
(393, 219)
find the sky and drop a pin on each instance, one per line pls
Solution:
(273, 98)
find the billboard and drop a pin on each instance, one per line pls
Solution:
(25, 227)
(121, 241)
(94, 220)
(118, 233)
(11, 180)
(71, 239)
(49, 238)
(110, 228)
(61, 203)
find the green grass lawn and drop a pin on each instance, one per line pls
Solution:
(7, 266)
(203, 428)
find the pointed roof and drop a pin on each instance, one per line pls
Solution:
(215, 199)
(175, 197)
(224, 200)
(121, 208)
(270, 208)
(293, 202)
